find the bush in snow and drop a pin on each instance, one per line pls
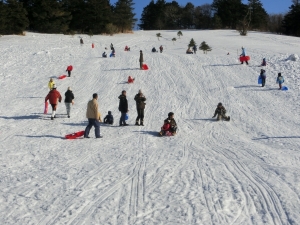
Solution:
(158, 35)
(293, 57)
(179, 33)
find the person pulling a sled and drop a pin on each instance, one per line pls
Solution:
(244, 55)
(170, 126)
(221, 112)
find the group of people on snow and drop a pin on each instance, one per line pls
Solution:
(160, 49)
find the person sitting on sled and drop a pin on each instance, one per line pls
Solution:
(109, 119)
(130, 79)
(221, 112)
(153, 49)
(264, 63)
(104, 55)
(189, 51)
(127, 48)
(169, 125)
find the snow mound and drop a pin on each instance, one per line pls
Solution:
(293, 57)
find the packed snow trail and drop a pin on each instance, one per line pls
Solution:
(245, 171)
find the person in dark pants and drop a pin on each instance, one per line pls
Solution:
(93, 116)
(123, 108)
(69, 70)
(141, 60)
(263, 77)
(140, 106)
(81, 41)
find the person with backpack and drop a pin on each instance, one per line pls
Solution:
(123, 108)
(69, 100)
(221, 112)
(263, 77)
(54, 97)
(170, 125)
(140, 107)
(280, 80)
(109, 119)
(93, 116)
(69, 70)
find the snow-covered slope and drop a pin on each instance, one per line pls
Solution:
(245, 171)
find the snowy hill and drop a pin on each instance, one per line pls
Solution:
(245, 171)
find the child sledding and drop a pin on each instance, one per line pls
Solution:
(130, 80)
(221, 112)
(170, 127)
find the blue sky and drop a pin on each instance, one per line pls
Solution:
(271, 6)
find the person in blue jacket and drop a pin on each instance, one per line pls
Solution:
(263, 77)
(280, 80)
(244, 55)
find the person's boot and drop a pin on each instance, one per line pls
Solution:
(142, 123)
(137, 123)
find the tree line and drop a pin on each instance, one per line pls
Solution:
(66, 16)
(221, 14)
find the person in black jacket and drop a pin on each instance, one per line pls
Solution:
(123, 108)
(69, 100)
(221, 112)
(109, 119)
(140, 106)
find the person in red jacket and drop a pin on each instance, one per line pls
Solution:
(69, 69)
(54, 97)
(130, 80)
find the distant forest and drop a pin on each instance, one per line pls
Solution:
(101, 17)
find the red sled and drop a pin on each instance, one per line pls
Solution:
(244, 58)
(46, 108)
(62, 77)
(75, 135)
(145, 67)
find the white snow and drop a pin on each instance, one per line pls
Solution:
(245, 171)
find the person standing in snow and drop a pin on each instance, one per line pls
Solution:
(221, 112)
(69, 97)
(111, 46)
(161, 49)
(195, 49)
(170, 125)
(263, 77)
(54, 97)
(81, 41)
(69, 69)
(93, 116)
(244, 55)
(51, 84)
(123, 108)
(264, 63)
(141, 59)
(280, 80)
(140, 107)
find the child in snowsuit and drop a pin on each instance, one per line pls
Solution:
(130, 80)
(280, 80)
(169, 125)
(104, 55)
(153, 49)
(51, 84)
(264, 63)
(69, 69)
(161, 49)
(221, 112)
(109, 119)
(263, 77)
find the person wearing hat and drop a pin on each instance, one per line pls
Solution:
(54, 97)
(140, 106)
(50, 84)
(109, 119)
(221, 112)
(263, 77)
(170, 125)
(69, 100)
(93, 115)
(141, 60)
(244, 55)
(123, 108)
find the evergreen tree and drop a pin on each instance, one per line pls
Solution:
(123, 15)
(217, 22)
(205, 47)
(291, 20)
(188, 16)
(258, 14)
(192, 43)
(160, 14)
(173, 39)
(148, 17)
(203, 16)
(158, 35)
(48, 16)
(13, 19)
(172, 15)
(229, 11)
